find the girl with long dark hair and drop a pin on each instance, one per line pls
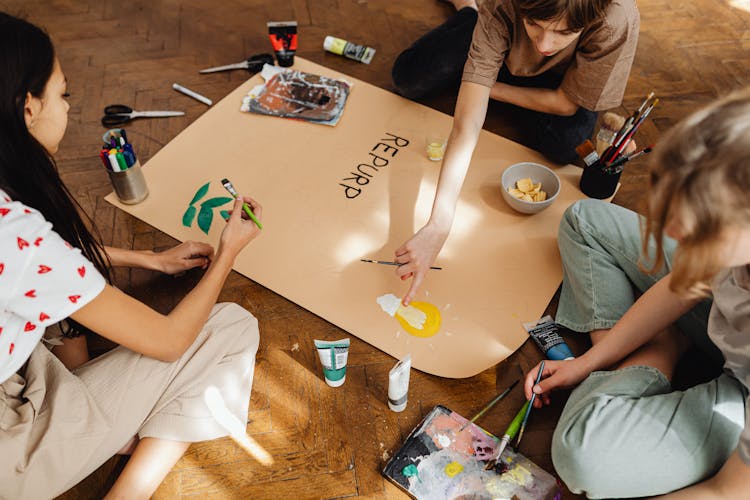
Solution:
(61, 415)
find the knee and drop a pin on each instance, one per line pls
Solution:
(238, 324)
(563, 134)
(570, 462)
(582, 211)
(405, 80)
(578, 457)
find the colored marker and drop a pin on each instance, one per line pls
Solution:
(190, 93)
(121, 161)
(228, 186)
(130, 154)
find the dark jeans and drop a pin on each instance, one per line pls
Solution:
(436, 61)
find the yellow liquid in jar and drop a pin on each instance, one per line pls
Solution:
(435, 151)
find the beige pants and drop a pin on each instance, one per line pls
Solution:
(57, 426)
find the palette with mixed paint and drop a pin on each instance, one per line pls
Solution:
(444, 457)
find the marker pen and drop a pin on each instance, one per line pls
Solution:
(190, 93)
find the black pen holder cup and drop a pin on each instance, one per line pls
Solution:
(130, 185)
(596, 183)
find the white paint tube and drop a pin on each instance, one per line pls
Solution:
(398, 384)
(333, 357)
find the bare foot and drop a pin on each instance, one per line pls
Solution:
(129, 446)
(460, 4)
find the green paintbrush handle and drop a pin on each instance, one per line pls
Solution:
(516, 422)
(510, 433)
(252, 216)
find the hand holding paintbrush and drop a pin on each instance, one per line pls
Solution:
(531, 405)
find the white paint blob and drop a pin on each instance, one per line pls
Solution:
(444, 440)
(392, 306)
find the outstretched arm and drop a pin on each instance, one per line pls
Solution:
(179, 258)
(418, 253)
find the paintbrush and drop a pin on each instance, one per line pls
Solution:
(391, 263)
(228, 186)
(629, 135)
(587, 153)
(231, 424)
(645, 101)
(510, 433)
(628, 128)
(489, 405)
(531, 405)
(611, 124)
(613, 167)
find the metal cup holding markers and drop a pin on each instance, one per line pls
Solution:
(124, 171)
(130, 185)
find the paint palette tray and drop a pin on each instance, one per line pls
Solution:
(443, 457)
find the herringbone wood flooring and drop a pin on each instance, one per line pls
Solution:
(327, 443)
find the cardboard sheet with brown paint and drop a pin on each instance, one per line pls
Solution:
(500, 268)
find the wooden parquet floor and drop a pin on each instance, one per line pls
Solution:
(327, 443)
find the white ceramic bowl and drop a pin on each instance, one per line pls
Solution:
(538, 173)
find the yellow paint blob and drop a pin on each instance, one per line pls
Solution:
(453, 469)
(518, 475)
(432, 322)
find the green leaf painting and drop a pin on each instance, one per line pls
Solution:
(206, 212)
(200, 193)
(225, 214)
(205, 216)
(215, 202)
(187, 218)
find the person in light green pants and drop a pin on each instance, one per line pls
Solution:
(624, 431)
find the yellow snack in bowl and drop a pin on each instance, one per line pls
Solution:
(525, 185)
(526, 190)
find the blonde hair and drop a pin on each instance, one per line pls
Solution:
(700, 174)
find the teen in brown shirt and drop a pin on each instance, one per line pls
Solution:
(594, 68)
(559, 61)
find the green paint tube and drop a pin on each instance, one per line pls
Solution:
(333, 357)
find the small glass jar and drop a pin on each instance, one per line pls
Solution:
(435, 147)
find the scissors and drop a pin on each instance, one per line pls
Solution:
(253, 64)
(115, 114)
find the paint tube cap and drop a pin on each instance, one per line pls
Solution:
(328, 42)
(285, 59)
(335, 383)
(397, 408)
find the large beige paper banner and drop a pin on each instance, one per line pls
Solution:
(335, 195)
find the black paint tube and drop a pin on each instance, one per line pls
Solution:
(546, 337)
(283, 37)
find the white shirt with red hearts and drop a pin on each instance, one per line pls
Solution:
(43, 279)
